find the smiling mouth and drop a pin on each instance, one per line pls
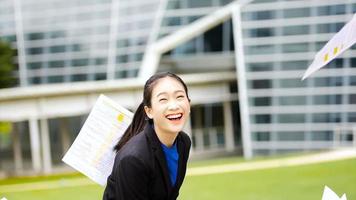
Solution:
(175, 117)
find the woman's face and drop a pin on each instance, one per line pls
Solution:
(170, 106)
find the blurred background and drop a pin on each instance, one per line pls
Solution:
(242, 61)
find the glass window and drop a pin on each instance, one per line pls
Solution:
(327, 99)
(354, 8)
(351, 117)
(352, 80)
(352, 99)
(34, 80)
(100, 61)
(322, 135)
(296, 30)
(56, 64)
(80, 62)
(328, 81)
(34, 65)
(331, 10)
(326, 117)
(353, 62)
(261, 32)
(261, 119)
(296, 12)
(172, 21)
(262, 15)
(35, 36)
(35, 51)
(174, 4)
(294, 65)
(292, 100)
(55, 79)
(57, 49)
(199, 3)
(292, 48)
(261, 136)
(122, 43)
(261, 101)
(212, 39)
(99, 76)
(260, 49)
(329, 28)
(261, 84)
(291, 118)
(336, 63)
(290, 135)
(57, 34)
(292, 83)
(79, 77)
(257, 67)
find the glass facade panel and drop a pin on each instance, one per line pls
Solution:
(322, 135)
(296, 30)
(328, 81)
(261, 119)
(290, 136)
(292, 100)
(261, 101)
(327, 99)
(326, 117)
(294, 65)
(261, 136)
(257, 67)
(296, 12)
(331, 10)
(298, 47)
(291, 118)
(261, 84)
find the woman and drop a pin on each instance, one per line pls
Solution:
(152, 155)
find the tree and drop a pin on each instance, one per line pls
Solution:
(7, 66)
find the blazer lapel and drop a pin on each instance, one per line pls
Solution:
(159, 155)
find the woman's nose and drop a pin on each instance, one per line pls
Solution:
(173, 106)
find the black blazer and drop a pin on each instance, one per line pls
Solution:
(140, 171)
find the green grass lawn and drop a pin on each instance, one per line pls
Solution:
(288, 183)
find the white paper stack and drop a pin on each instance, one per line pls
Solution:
(92, 151)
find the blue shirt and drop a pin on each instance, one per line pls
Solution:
(172, 156)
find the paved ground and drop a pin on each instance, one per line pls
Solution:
(196, 171)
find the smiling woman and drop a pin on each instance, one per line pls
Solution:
(152, 155)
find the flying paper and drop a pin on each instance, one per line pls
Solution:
(330, 195)
(341, 41)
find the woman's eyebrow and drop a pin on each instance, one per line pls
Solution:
(177, 91)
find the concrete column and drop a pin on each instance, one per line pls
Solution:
(63, 130)
(46, 147)
(228, 127)
(35, 145)
(17, 149)
(188, 129)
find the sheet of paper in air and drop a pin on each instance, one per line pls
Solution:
(3, 198)
(92, 151)
(341, 41)
(330, 195)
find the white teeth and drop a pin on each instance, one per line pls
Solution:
(174, 116)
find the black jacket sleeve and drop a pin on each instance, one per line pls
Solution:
(129, 181)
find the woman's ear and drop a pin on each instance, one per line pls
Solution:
(148, 112)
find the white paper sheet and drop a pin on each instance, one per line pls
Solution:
(330, 195)
(92, 151)
(341, 41)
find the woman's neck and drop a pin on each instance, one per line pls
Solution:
(165, 138)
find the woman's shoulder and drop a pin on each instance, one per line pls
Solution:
(136, 147)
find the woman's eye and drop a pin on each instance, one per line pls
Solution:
(180, 97)
(163, 99)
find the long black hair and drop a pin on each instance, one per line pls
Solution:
(140, 118)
